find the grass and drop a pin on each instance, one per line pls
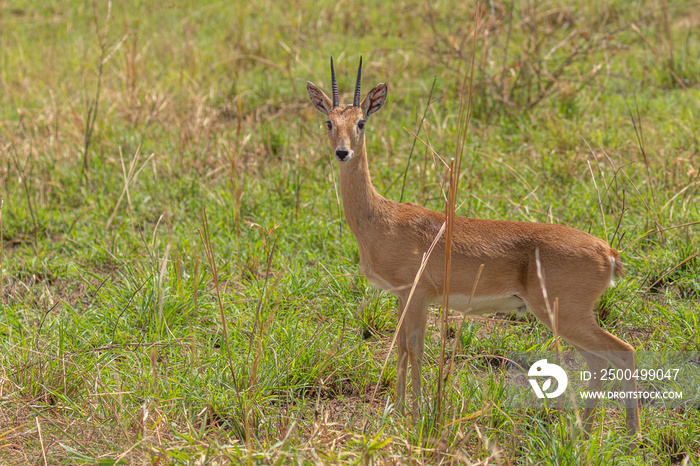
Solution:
(112, 345)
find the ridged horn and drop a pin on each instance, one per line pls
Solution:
(335, 86)
(356, 101)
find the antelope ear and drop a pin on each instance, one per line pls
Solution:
(374, 100)
(319, 98)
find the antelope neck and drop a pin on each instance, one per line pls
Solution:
(360, 200)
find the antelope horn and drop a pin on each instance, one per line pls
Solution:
(335, 85)
(356, 102)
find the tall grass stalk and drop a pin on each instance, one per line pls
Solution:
(455, 169)
(93, 106)
(257, 322)
(209, 251)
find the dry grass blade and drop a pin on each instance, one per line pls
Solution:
(595, 185)
(129, 178)
(161, 278)
(450, 212)
(656, 231)
(657, 54)
(41, 441)
(552, 312)
(670, 271)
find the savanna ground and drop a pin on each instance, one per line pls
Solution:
(123, 125)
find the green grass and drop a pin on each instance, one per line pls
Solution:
(112, 346)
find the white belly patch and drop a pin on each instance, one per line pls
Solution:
(478, 305)
(376, 279)
(485, 304)
(379, 282)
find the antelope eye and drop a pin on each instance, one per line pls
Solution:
(361, 124)
(329, 125)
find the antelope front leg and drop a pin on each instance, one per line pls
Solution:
(414, 331)
(402, 362)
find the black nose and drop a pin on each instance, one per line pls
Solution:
(341, 154)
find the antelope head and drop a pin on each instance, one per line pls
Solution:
(346, 123)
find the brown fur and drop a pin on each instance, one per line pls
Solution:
(392, 238)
